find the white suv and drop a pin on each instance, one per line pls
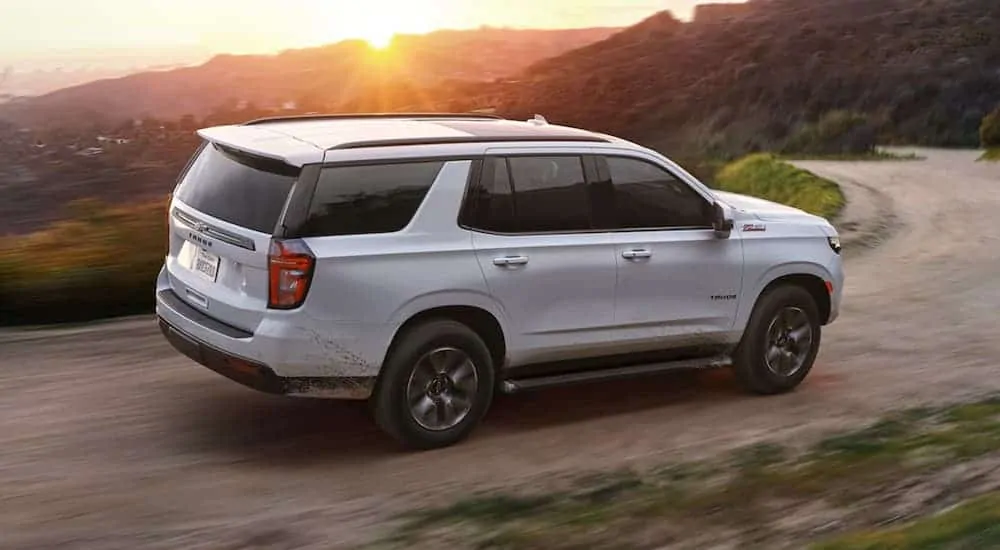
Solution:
(424, 262)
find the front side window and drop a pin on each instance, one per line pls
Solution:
(550, 194)
(648, 197)
(368, 199)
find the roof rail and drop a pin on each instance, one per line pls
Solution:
(364, 116)
(468, 139)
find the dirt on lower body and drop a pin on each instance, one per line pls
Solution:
(111, 440)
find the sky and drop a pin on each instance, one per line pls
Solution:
(33, 32)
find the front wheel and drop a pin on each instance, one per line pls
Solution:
(436, 386)
(781, 341)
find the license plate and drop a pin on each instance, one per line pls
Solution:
(206, 264)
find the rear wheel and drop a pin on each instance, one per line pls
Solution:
(781, 341)
(436, 385)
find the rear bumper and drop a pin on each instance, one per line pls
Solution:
(198, 338)
(250, 374)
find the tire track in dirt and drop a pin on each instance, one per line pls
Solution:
(868, 218)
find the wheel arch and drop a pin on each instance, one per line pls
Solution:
(483, 322)
(812, 278)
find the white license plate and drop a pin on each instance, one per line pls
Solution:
(206, 264)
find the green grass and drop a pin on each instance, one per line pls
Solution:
(732, 492)
(767, 177)
(972, 525)
(991, 155)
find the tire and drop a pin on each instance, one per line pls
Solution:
(436, 368)
(759, 366)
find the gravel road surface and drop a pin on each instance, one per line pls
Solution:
(110, 440)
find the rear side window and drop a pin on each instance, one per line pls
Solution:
(493, 206)
(360, 200)
(525, 194)
(236, 187)
(550, 194)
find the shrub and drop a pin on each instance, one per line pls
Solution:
(766, 177)
(989, 131)
(835, 133)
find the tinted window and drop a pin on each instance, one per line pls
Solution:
(492, 208)
(550, 194)
(236, 187)
(358, 200)
(647, 196)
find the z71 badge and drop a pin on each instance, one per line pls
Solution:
(754, 228)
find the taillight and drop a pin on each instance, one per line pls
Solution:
(289, 269)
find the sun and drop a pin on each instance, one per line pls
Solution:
(380, 39)
(376, 22)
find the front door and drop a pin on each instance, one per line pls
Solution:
(678, 283)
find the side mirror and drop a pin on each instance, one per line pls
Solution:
(721, 222)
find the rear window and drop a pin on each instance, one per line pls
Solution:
(236, 187)
(361, 200)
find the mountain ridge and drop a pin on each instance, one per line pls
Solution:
(925, 71)
(337, 72)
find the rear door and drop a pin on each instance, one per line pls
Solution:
(676, 280)
(222, 217)
(533, 235)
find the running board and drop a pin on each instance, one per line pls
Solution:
(617, 373)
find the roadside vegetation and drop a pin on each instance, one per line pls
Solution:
(839, 135)
(99, 262)
(863, 489)
(766, 176)
(972, 524)
(876, 155)
(989, 136)
(836, 133)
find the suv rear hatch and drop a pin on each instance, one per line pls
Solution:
(222, 216)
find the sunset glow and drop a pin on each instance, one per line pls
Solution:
(375, 21)
(380, 38)
(122, 31)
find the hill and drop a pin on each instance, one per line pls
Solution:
(745, 78)
(325, 76)
(738, 78)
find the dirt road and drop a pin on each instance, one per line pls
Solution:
(110, 440)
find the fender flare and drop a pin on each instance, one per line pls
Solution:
(757, 287)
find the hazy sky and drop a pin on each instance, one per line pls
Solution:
(38, 29)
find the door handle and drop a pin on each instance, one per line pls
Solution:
(637, 254)
(510, 260)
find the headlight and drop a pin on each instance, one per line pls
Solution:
(834, 243)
